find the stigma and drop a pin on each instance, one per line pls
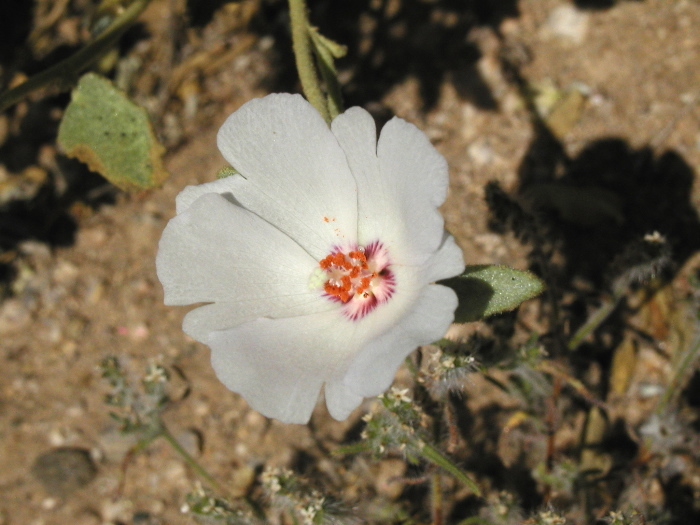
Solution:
(360, 278)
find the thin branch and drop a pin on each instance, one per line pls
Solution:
(64, 74)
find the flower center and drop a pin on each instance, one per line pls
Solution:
(360, 278)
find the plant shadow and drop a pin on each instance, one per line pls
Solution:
(611, 220)
(389, 42)
(36, 202)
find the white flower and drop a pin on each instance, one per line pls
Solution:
(316, 260)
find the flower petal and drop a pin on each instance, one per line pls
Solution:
(447, 262)
(417, 174)
(340, 400)
(294, 174)
(217, 251)
(189, 194)
(200, 322)
(357, 135)
(401, 181)
(279, 365)
(373, 370)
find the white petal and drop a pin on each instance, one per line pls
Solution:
(340, 400)
(400, 182)
(447, 262)
(417, 176)
(217, 251)
(200, 322)
(294, 174)
(279, 365)
(224, 187)
(357, 135)
(373, 370)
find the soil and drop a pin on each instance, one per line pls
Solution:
(526, 100)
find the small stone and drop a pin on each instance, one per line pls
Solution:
(480, 153)
(192, 441)
(64, 470)
(49, 503)
(117, 511)
(65, 273)
(568, 23)
(14, 317)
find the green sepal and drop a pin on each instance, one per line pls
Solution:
(226, 171)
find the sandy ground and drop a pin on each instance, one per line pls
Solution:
(80, 281)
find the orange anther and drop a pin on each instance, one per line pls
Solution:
(348, 275)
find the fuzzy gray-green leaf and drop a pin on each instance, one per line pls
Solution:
(484, 290)
(112, 135)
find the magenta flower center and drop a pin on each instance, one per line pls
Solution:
(360, 278)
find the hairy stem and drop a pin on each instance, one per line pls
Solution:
(201, 472)
(436, 457)
(304, 57)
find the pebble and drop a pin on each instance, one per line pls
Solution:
(480, 153)
(14, 317)
(119, 511)
(63, 470)
(65, 273)
(192, 441)
(568, 23)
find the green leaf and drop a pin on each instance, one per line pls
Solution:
(484, 290)
(112, 135)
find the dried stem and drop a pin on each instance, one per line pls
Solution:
(64, 74)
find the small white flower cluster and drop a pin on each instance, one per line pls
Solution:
(155, 373)
(617, 517)
(547, 517)
(394, 425)
(310, 512)
(446, 372)
(138, 408)
(199, 503)
(274, 479)
(287, 493)
(502, 507)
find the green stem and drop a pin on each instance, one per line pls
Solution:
(326, 52)
(436, 457)
(355, 448)
(593, 323)
(682, 368)
(63, 73)
(201, 472)
(303, 55)
(436, 497)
